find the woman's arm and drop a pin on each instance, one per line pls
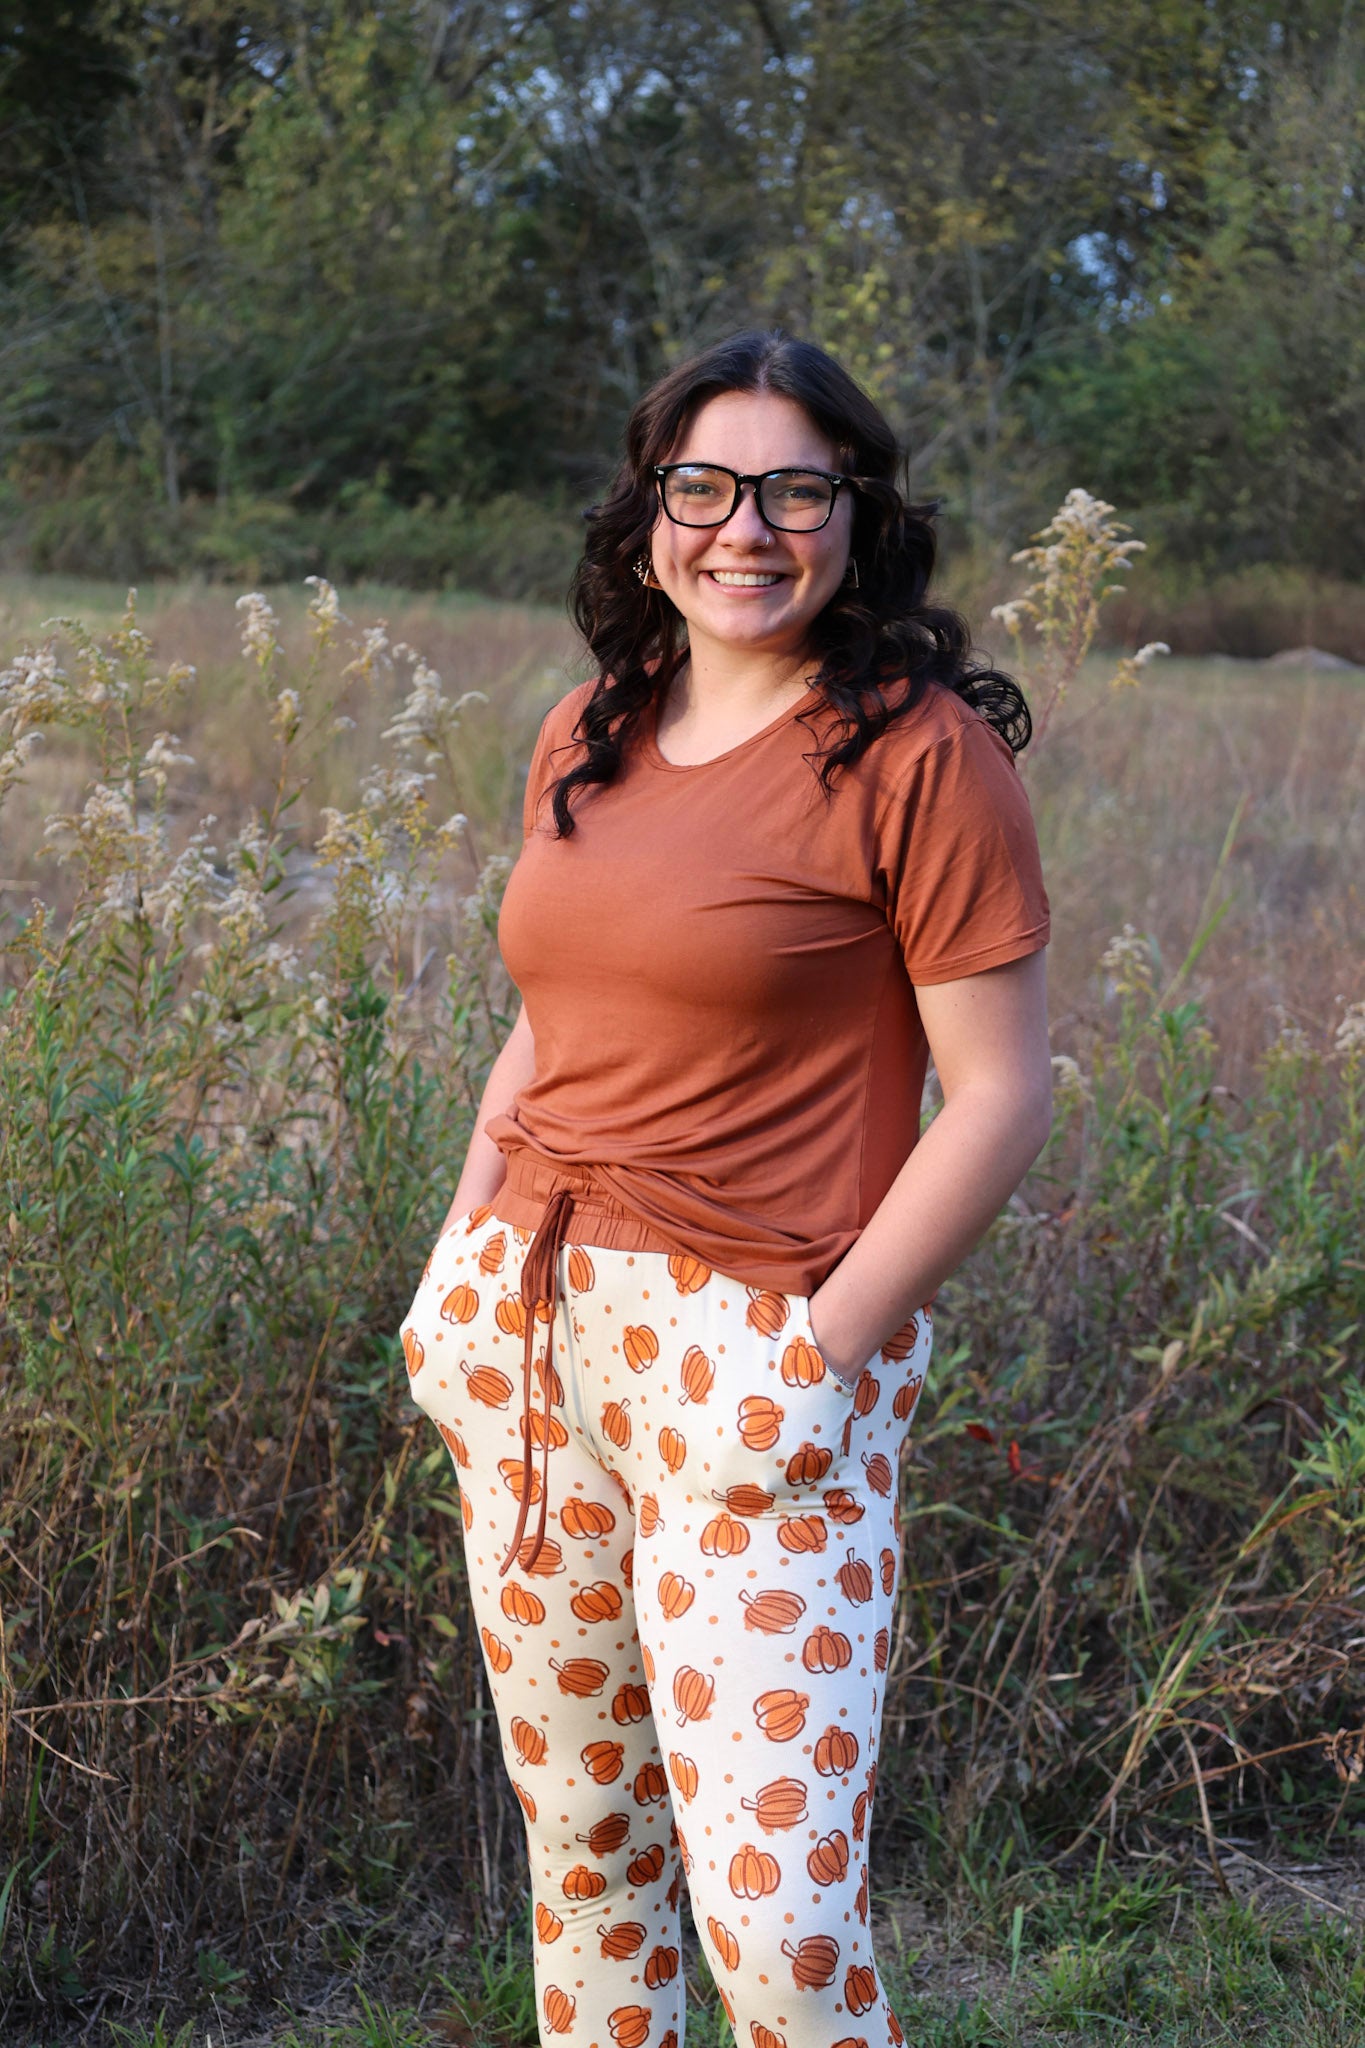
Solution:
(988, 1037)
(485, 1168)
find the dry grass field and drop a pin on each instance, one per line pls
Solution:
(248, 1785)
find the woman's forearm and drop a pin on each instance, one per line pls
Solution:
(961, 1173)
(485, 1167)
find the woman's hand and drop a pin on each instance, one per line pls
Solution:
(988, 1037)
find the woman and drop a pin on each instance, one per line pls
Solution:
(776, 855)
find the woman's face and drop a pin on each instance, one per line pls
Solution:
(746, 585)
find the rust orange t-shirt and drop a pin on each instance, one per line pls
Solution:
(719, 971)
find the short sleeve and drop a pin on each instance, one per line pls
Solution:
(556, 732)
(958, 856)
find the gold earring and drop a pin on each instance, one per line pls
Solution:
(851, 577)
(644, 570)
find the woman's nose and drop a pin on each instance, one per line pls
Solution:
(746, 523)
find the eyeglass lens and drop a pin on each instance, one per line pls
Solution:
(792, 500)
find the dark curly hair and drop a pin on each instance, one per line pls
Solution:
(879, 645)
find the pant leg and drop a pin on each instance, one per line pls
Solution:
(766, 1567)
(561, 1649)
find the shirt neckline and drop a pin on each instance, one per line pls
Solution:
(658, 759)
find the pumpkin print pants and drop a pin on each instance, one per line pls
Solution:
(688, 1675)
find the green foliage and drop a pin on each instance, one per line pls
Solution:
(364, 290)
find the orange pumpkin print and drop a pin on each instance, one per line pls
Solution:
(647, 1659)
(802, 1533)
(630, 2025)
(650, 1785)
(629, 1703)
(547, 1561)
(860, 1988)
(528, 1804)
(773, 1612)
(767, 1312)
(534, 1427)
(828, 1860)
(698, 1376)
(860, 1896)
(455, 1444)
(808, 1465)
(605, 1836)
(628, 1566)
(647, 1867)
(836, 1752)
(826, 1649)
(802, 1365)
(898, 1348)
(466, 1512)
(693, 1695)
(514, 1478)
(582, 1883)
(510, 1315)
(746, 1499)
(661, 1966)
(581, 1677)
(903, 1405)
(648, 1515)
(778, 1806)
(560, 2008)
(676, 1595)
(461, 1305)
(528, 1741)
(866, 1393)
(414, 1352)
(597, 1602)
(860, 1806)
(683, 1772)
(640, 1345)
(581, 1274)
(842, 1506)
(539, 1371)
(814, 1961)
(603, 1761)
(754, 1874)
(888, 1564)
(585, 1518)
(724, 1537)
(496, 1651)
(493, 1253)
(781, 1714)
(616, 1423)
(477, 1217)
(488, 1385)
(549, 1926)
(855, 1579)
(672, 1447)
(689, 1275)
(624, 1940)
(760, 1422)
(881, 1649)
(879, 1474)
(724, 1943)
(764, 2037)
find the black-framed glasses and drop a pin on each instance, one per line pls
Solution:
(707, 494)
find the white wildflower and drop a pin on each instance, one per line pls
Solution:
(285, 722)
(1350, 1033)
(324, 609)
(260, 641)
(33, 689)
(242, 912)
(1067, 1079)
(1010, 614)
(374, 654)
(342, 724)
(280, 964)
(1149, 652)
(161, 757)
(1127, 962)
(186, 885)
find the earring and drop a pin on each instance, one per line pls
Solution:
(851, 577)
(644, 570)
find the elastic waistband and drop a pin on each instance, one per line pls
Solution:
(598, 1218)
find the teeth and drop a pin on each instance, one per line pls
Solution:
(744, 580)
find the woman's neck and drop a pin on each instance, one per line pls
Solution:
(721, 697)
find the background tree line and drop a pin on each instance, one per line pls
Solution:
(313, 284)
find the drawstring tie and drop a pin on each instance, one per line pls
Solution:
(539, 1289)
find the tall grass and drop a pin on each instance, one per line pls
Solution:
(243, 1728)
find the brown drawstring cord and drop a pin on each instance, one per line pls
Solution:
(539, 1283)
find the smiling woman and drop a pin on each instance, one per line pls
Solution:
(775, 854)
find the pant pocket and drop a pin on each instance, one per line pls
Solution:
(796, 1371)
